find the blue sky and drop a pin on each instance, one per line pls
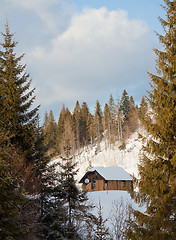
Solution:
(86, 49)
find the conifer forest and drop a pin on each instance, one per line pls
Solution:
(38, 202)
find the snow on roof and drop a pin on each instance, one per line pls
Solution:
(112, 173)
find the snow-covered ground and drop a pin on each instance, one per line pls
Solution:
(115, 209)
(107, 198)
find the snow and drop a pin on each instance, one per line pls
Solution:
(127, 158)
(112, 173)
(115, 208)
(106, 198)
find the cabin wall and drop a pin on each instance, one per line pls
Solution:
(125, 185)
(101, 184)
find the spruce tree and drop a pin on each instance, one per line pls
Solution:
(125, 104)
(74, 201)
(52, 216)
(17, 143)
(157, 169)
(18, 117)
(101, 232)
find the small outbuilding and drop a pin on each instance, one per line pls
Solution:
(107, 178)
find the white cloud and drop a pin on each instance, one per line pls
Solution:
(51, 12)
(99, 50)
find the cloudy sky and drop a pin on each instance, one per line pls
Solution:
(84, 49)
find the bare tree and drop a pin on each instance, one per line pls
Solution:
(119, 215)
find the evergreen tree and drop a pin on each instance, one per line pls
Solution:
(52, 216)
(132, 122)
(125, 104)
(9, 200)
(17, 144)
(49, 129)
(143, 109)
(73, 201)
(157, 167)
(101, 232)
(17, 98)
(16, 216)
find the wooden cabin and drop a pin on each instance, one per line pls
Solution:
(107, 178)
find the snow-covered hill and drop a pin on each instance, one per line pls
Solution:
(128, 158)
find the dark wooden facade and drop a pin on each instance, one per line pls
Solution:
(93, 181)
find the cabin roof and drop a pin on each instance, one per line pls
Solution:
(111, 173)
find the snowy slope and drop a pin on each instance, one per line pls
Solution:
(127, 158)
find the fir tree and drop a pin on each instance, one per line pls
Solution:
(52, 216)
(125, 104)
(101, 232)
(76, 208)
(157, 167)
(17, 98)
(17, 143)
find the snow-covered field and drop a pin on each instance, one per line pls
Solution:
(115, 209)
(107, 198)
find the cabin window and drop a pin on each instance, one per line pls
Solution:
(106, 185)
(123, 184)
(93, 184)
(117, 185)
